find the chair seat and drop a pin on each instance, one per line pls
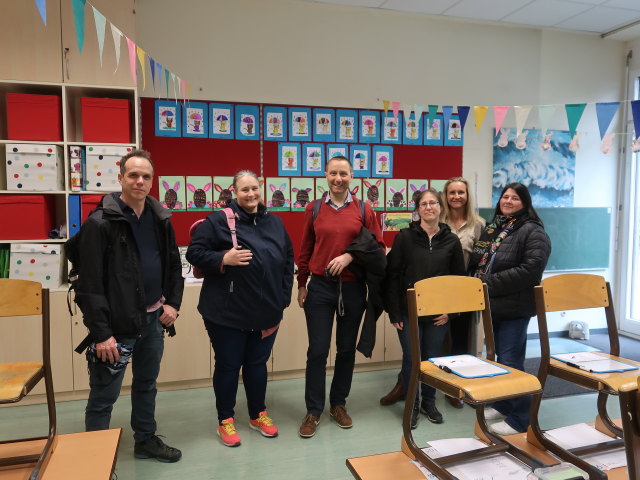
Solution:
(16, 379)
(482, 389)
(611, 381)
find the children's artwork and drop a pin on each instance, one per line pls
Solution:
(433, 131)
(321, 187)
(453, 136)
(437, 185)
(369, 126)
(278, 195)
(361, 160)
(247, 122)
(415, 187)
(394, 222)
(224, 188)
(312, 159)
(275, 123)
(382, 162)
(199, 193)
(337, 150)
(392, 128)
(302, 192)
(167, 118)
(412, 129)
(355, 187)
(195, 120)
(299, 124)
(172, 193)
(289, 159)
(347, 126)
(373, 193)
(324, 125)
(221, 119)
(396, 193)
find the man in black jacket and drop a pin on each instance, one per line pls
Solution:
(129, 289)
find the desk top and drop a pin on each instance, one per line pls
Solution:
(78, 456)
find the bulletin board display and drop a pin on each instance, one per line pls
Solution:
(197, 157)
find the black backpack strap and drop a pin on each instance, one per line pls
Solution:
(316, 207)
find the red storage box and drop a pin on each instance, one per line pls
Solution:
(34, 117)
(87, 204)
(27, 217)
(106, 120)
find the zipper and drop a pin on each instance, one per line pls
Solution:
(231, 287)
(430, 247)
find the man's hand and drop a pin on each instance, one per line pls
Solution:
(338, 264)
(302, 296)
(237, 256)
(107, 351)
(169, 315)
(441, 320)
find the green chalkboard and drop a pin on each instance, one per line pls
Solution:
(579, 236)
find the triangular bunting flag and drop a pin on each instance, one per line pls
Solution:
(407, 112)
(117, 37)
(78, 17)
(152, 66)
(42, 8)
(545, 113)
(396, 108)
(166, 82)
(385, 104)
(574, 113)
(183, 84)
(446, 114)
(522, 113)
(498, 115)
(173, 81)
(159, 75)
(463, 113)
(418, 108)
(141, 55)
(635, 113)
(605, 111)
(132, 58)
(188, 90)
(480, 111)
(101, 21)
(433, 111)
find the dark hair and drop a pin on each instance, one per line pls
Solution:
(341, 158)
(136, 153)
(525, 198)
(430, 190)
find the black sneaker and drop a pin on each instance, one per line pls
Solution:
(156, 448)
(432, 413)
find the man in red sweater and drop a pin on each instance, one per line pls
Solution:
(333, 290)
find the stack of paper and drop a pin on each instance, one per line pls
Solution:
(468, 366)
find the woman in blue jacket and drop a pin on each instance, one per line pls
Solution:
(244, 293)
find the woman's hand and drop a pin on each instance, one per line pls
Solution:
(441, 320)
(302, 296)
(398, 325)
(237, 257)
(338, 264)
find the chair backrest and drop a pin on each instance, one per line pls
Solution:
(20, 298)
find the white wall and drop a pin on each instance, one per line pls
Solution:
(286, 51)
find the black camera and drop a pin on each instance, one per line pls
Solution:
(330, 277)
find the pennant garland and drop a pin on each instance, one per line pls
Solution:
(545, 113)
(446, 114)
(117, 37)
(605, 111)
(480, 111)
(159, 74)
(78, 16)
(433, 111)
(396, 109)
(407, 112)
(574, 113)
(499, 113)
(166, 82)
(132, 58)
(141, 55)
(101, 21)
(42, 8)
(418, 108)
(463, 113)
(522, 113)
(385, 103)
(152, 65)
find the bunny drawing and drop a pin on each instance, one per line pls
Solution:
(224, 197)
(373, 194)
(302, 196)
(171, 196)
(503, 141)
(278, 199)
(199, 196)
(416, 193)
(521, 140)
(546, 143)
(398, 198)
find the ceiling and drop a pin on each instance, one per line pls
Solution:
(589, 16)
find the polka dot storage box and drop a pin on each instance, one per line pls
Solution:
(32, 167)
(103, 166)
(36, 262)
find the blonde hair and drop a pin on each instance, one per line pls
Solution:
(469, 212)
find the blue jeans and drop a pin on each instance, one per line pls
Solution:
(320, 307)
(511, 342)
(105, 386)
(431, 338)
(235, 349)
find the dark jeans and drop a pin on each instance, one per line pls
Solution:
(105, 386)
(511, 343)
(431, 339)
(320, 307)
(235, 349)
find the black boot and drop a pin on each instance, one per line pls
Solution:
(395, 395)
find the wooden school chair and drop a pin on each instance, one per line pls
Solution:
(21, 298)
(577, 292)
(630, 414)
(452, 294)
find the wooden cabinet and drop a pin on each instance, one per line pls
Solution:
(290, 349)
(392, 348)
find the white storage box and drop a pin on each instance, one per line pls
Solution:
(33, 167)
(36, 262)
(102, 167)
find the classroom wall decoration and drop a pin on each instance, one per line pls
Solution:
(392, 128)
(396, 194)
(369, 126)
(302, 192)
(337, 150)
(288, 159)
(275, 123)
(453, 136)
(221, 120)
(361, 160)
(299, 120)
(167, 118)
(313, 159)
(374, 192)
(199, 193)
(224, 188)
(411, 131)
(382, 161)
(321, 187)
(324, 121)
(415, 186)
(437, 185)
(172, 193)
(278, 194)
(347, 121)
(195, 120)
(355, 187)
(433, 130)
(247, 122)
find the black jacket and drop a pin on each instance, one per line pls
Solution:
(414, 257)
(110, 290)
(517, 267)
(250, 297)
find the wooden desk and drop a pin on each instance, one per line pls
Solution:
(396, 464)
(78, 456)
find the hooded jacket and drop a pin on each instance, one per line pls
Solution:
(250, 297)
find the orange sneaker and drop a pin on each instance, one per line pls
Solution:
(264, 425)
(227, 433)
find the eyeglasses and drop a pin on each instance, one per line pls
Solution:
(428, 204)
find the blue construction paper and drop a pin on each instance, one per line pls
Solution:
(168, 115)
(382, 161)
(313, 159)
(324, 125)
(392, 129)
(412, 129)
(347, 126)
(360, 156)
(247, 122)
(221, 120)
(300, 124)
(436, 128)
(453, 133)
(369, 126)
(195, 120)
(289, 159)
(275, 123)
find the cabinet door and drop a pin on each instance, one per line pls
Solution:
(392, 348)
(29, 49)
(290, 349)
(85, 67)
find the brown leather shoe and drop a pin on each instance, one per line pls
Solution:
(309, 425)
(454, 402)
(340, 415)
(395, 395)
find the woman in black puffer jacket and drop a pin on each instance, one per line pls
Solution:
(510, 257)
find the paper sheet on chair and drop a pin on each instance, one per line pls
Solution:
(575, 436)
(451, 446)
(608, 460)
(501, 466)
(468, 366)
(592, 362)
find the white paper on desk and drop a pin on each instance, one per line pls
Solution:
(608, 460)
(494, 467)
(451, 446)
(468, 366)
(579, 435)
(593, 362)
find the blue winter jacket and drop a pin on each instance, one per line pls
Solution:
(250, 297)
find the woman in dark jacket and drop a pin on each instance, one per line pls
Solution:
(426, 249)
(510, 257)
(244, 293)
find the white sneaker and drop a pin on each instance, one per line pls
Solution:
(491, 413)
(502, 428)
